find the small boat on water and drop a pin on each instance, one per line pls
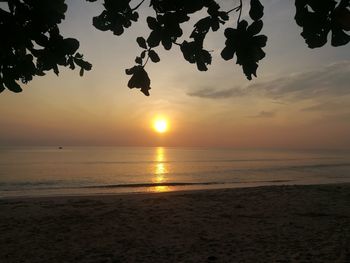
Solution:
(60, 148)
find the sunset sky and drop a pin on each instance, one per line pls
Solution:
(301, 98)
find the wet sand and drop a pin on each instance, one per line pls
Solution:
(263, 224)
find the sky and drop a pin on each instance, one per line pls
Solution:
(300, 99)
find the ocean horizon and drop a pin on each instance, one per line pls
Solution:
(48, 171)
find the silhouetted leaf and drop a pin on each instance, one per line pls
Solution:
(118, 30)
(153, 56)
(194, 53)
(224, 16)
(55, 69)
(83, 64)
(139, 79)
(260, 40)
(78, 55)
(247, 46)
(142, 42)
(143, 54)
(99, 23)
(71, 63)
(339, 37)
(230, 32)
(166, 42)
(2, 87)
(131, 71)
(134, 16)
(203, 59)
(154, 39)
(41, 40)
(71, 45)
(256, 11)
(12, 85)
(255, 27)
(40, 73)
(342, 17)
(152, 23)
(227, 53)
(249, 69)
(138, 60)
(204, 24)
(81, 72)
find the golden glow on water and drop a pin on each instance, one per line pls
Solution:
(160, 154)
(161, 188)
(160, 171)
(160, 167)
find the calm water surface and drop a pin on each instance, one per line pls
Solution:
(86, 170)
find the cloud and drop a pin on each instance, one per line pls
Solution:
(327, 81)
(327, 106)
(264, 114)
(212, 93)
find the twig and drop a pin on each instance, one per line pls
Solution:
(138, 5)
(144, 65)
(233, 9)
(240, 11)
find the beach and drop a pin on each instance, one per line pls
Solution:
(261, 224)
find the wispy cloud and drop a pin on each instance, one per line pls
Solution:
(264, 114)
(327, 81)
(213, 93)
(328, 106)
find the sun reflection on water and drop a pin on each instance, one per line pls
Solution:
(160, 155)
(160, 171)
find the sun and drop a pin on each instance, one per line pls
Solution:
(160, 125)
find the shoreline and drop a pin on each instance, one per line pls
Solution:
(107, 190)
(289, 223)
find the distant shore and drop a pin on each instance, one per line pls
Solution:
(262, 224)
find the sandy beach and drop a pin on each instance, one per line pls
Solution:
(263, 224)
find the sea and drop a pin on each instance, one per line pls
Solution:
(54, 171)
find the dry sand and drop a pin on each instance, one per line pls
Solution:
(264, 224)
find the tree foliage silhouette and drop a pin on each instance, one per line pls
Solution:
(31, 42)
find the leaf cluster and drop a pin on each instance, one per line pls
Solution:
(116, 16)
(166, 28)
(139, 78)
(193, 51)
(244, 41)
(319, 18)
(32, 43)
